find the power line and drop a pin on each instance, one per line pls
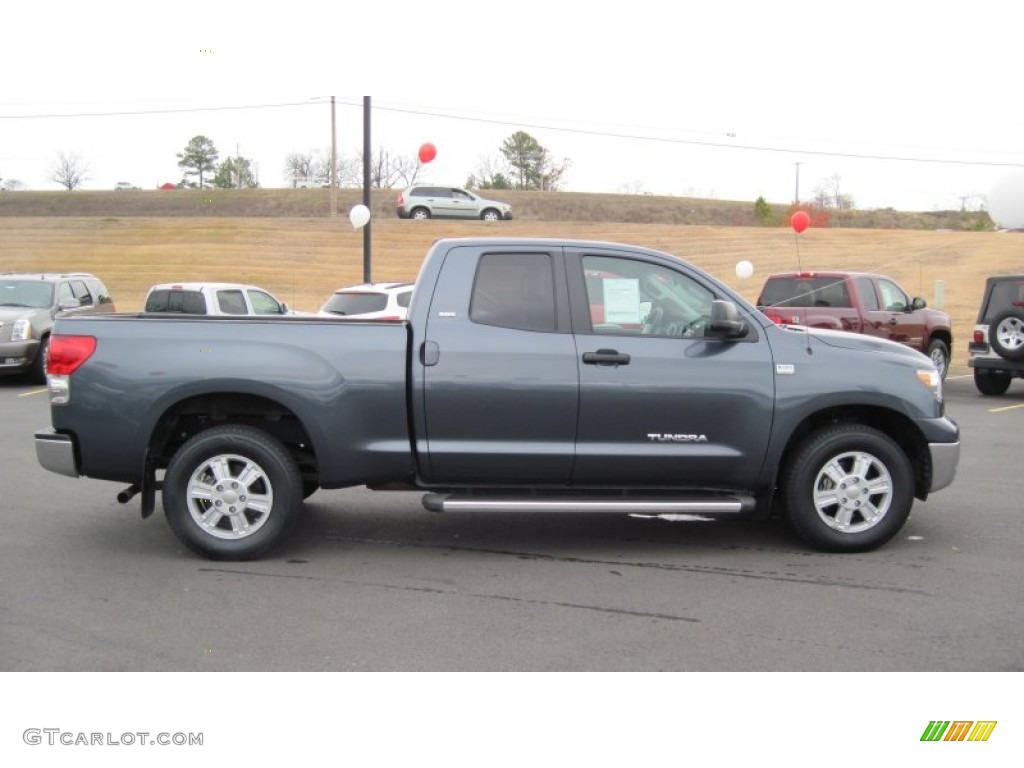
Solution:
(699, 143)
(536, 126)
(48, 115)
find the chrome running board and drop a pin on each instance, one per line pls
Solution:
(710, 505)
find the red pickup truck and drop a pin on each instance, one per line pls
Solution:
(858, 302)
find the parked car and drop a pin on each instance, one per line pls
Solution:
(215, 299)
(125, 185)
(29, 303)
(996, 350)
(859, 302)
(370, 301)
(424, 201)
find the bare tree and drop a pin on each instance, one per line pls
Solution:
(299, 166)
(828, 194)
(69, 171)
(491, 173)
(387, 171)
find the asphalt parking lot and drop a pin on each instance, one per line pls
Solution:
(371, 581)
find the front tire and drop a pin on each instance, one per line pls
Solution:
(38, 372)
(991, 383)
(938, 351)
(490, 215)
(232, 493)
(848, 488)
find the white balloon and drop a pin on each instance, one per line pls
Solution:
(359, 216)
(1006, 201)
(744, 269)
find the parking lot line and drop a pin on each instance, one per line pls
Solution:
(1006, 408)
(34, 392)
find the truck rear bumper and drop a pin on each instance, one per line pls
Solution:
(56, 452)
(945, 458)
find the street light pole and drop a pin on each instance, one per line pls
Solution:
(797, 194)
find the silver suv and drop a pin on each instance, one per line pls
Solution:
(997, 348)
(426, 201)
(29, 302)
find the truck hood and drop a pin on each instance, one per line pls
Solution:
(862, 343)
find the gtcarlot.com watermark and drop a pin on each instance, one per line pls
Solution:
(53, 737)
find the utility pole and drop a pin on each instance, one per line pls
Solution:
(238, 167)
(334, 163)
(367, 277)
(797, 194)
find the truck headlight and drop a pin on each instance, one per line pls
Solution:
(21, 330)
(931, 379)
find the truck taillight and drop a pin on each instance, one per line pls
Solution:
(776, 318)
(67, 353)
(979, 337)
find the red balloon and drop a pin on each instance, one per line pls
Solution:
(427, 152)
(800, 220)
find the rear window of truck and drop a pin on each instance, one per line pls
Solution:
(177, 301)
(805, 292)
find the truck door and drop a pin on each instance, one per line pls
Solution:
(498, 369)
(890, 317)
(661, 402)
(906, 325)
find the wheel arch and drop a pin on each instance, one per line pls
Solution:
(894, 424)
(196, 413)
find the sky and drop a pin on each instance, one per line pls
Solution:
(910, 105)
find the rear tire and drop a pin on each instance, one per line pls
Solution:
(992, 383)
(419, 214)
(232, 493)
(848, 488)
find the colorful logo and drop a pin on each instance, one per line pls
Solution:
(959, 730)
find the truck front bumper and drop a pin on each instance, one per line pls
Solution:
(18, 356)
(945, 458)
(56, 452)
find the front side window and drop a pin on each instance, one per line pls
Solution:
(514, 290)
(634, 297)
(65, 294)
(893, 298)
(264, 303)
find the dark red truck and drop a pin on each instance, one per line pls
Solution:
(859, 302)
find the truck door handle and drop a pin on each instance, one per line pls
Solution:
(606, 357)
(893, 321)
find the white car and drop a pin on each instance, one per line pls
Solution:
(215, 299)
(370, 301)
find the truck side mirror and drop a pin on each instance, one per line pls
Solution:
(726, 321)
(918, 303)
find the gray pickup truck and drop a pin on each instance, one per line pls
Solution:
(531, 375)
